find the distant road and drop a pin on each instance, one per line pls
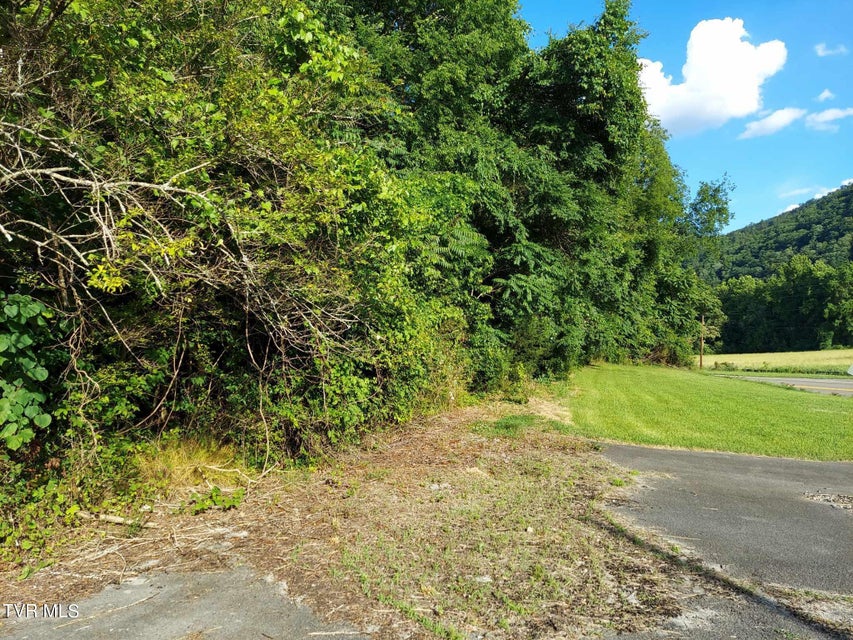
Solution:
(829, 386)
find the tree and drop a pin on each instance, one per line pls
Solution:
(708, 213)
(801, 307)
(185, 186)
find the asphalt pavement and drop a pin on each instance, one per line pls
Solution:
(233, 604)
(829, 386)
(771, 520)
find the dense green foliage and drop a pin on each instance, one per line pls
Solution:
(803, 306)
(280, 223)
(820, 229)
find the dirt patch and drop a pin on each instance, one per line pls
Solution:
(550, 410)
(833, 611)
(437, 529)
(836, 500)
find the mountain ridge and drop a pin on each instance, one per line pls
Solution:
(821, 228)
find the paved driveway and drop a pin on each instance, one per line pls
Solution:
(233, 604)
(829, 386)
(773, 520)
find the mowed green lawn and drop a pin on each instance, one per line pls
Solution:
(829, 361)
(679, 408)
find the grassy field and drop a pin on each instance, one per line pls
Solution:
(671, 407)
(833, 361)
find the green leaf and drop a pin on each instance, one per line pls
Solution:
(14, 442)
(31, 411)
(4, 342)
(166, 76)
(11, 310)
(39, 373)
(22, 341)
(42, 420)
(98, 81)
(27, 311)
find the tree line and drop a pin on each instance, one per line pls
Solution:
(281, 223)
(785, 283)
(803, 306)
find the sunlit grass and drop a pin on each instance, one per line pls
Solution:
(835, 361)
(677, 408)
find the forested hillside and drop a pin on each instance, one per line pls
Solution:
(279, 223)
(821, 229)
(788, 281)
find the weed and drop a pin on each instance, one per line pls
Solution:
(427, 623)
(176, 462)
(514, 425)
(215, 499)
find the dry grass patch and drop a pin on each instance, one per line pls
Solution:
(830, 361)
(832, 611)
(441, 530)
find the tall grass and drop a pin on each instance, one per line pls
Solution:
(832, 361)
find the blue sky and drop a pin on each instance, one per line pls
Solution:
(766, 95)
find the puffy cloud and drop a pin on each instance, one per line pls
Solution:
(723, 76)
(790, 207)
(826, 120)
(776, 121)
(825, 95)
(822, 50)
(847, 183)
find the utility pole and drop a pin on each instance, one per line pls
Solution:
(702, 342)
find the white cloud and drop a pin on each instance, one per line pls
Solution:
(825, 95)
(790, 207)
(826, 120)
(776, 121)
(813, 193)
(722, 78)
(822, 50)
(795, 192)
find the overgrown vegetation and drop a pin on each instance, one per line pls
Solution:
(277, 225)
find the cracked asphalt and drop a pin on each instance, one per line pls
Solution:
(233, 604)
(773, 520)
(762, 521)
